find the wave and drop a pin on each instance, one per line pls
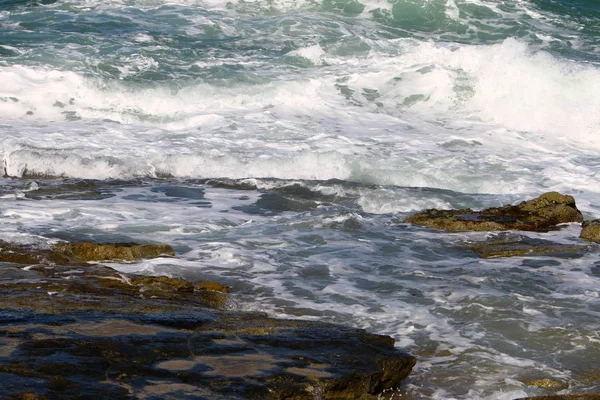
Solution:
(477, 118)
(482, 21)
(507, 84)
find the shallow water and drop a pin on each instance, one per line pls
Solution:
(278, 145)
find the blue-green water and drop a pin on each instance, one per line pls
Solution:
(278, 145)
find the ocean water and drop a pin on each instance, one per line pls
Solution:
(277, 145)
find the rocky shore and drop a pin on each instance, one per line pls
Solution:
(540, 214)
(544, 213)
(70, 329)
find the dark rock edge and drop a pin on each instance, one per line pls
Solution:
(71, 329)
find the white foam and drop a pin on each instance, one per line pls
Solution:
(451, 310)
(384, 201)
(314, 53)
(501, 118)
(137, 63)
(506, 84)
(472, 118)
(143, 38)
(452, 10)
(535, 92)
(12, 49)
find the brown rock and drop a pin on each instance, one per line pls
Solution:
(513, 245)
(591, 231)
(212, 286)
(539, 214)
(29, 396)
(547, 383)
(212, 299)
(94, 333)
(12, 253)
(589, 375)
(114, 251)
(162, 284)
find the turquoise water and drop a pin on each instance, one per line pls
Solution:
(278, 145)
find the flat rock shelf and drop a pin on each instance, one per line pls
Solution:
(86, 331)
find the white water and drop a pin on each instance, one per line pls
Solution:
(358, 131)
(487, 328)
(485, 119)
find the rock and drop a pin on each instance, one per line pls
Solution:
(12, 253)
(71, 190)
(29, 396)
(433, 351)
(575, 396)
(161, 284)
(96, 288)
(547, 383)
(212, 286)
(212, 298)
(590, 375)
(235, 184)
(65, 253)
(503, 245)
(591, 231)
(89, 332)
(539, 214)
(114, 251)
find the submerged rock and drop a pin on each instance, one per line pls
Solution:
(591, 231)
(90, 332)
(547, 383)
(212, 286)
(518, 245)
(30, 254)
(96, 288)
(70, 190)
(539, 214)
(75, 253)
(114, 251)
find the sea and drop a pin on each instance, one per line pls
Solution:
(278, 146)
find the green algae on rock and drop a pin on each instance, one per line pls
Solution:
(539, 214)
(112, 251)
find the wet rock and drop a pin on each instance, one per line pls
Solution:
(75, 190)
(96, 288)
(30, 254)
(590, 375)
(539, 214)
(89, 332)
(517, 245)
(547, 383)
(29, 396)
(591, 231)
(574, 396)
(115, 251)
(235, 184)
(212, 286)
(212, 298)
(161, 284)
